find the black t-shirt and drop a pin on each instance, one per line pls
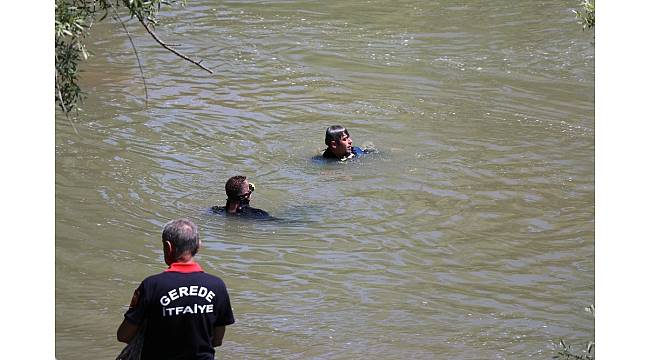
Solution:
(181, 306)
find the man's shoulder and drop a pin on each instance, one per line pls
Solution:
(327, 154)
(174, 278)
(218, 209)
(254, 212)
(172, 274)
(246, 211)
(326, 157)
(210, 277)
(356, 151)
(156, 278)
(359, 151)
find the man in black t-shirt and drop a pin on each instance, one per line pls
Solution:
(238, 191)
(183, 310)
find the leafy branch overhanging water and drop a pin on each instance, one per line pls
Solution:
(74, 20)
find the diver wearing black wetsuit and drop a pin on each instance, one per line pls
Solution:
(243, 210)
(355, 151)
(239, 191)
(339, 144)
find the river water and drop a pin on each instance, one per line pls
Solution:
(469, 235)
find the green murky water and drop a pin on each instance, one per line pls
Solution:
(471, 236)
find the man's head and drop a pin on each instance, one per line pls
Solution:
(238, 189)
(180, 240)
(338, 141)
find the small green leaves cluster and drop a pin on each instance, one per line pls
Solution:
(73, 20)
(569, 354)
(148, 10)
(587, 15)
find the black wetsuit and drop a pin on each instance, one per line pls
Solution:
(243, 211)
(356, 151)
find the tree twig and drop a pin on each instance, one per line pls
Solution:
(116, 16)
(177, 53)
(65, 111)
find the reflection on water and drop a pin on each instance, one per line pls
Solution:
(469, 235)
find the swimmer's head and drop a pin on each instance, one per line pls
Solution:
(338, 140)
(238, 188)
(334, 133)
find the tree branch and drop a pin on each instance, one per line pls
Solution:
(116, 16)
(155, 37)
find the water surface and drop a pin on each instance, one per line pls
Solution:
(470, 236)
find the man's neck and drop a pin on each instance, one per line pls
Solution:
(232, 206)
(184, 267)
(185, 259)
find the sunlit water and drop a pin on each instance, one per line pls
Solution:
(469, 235)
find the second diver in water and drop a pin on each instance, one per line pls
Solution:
(339, 144)
(238, 191)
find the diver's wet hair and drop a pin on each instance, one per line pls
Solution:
(183, 234)
(334, 133)
(233, 186)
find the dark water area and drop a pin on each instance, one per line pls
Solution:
(469, 235)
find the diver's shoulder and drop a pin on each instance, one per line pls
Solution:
(251, 211)
(218, 209)
(359, 151)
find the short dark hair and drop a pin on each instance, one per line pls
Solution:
(183, 234)
(334, 133)
(233, 186)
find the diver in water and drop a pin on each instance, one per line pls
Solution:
(339, 144)
(239, 191)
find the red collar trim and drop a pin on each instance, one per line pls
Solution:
(185, 267)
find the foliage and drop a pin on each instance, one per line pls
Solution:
(587, 16)
(71, 24)
(567, 353)
(73, 20)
